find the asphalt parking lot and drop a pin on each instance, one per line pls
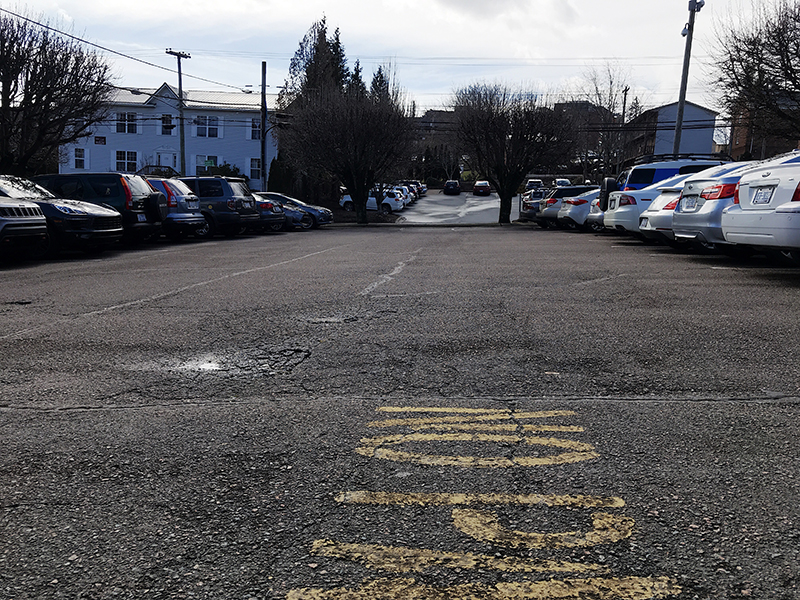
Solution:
(400, 412)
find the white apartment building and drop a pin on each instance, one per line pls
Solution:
(143, 129)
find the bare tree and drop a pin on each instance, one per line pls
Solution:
(354, 135)
(757, 67)
(505, 134)
(52, 91)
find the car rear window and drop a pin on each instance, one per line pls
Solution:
(105, 186)
(240, 189)
(139, 186)
(693, 168)
(210, 188)
(641, 176)
(179, 188)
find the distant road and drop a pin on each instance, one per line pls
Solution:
(437, 207)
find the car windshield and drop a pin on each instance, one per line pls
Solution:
(16, 187)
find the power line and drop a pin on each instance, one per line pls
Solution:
(104, 49)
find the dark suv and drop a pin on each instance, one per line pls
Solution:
(227, 204)
(142, 208)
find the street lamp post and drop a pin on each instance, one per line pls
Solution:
(179, 56)
(694, 7)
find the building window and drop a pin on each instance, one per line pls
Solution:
(203, 163)
(255, 129)
(255, 169)
(126, 122)
(207, 126)
(126, 161)
(80, 158)
(167, 126)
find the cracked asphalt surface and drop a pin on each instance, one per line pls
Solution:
(181, 420)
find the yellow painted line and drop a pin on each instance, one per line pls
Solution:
(404, 560)
(614, 588)
(476, 418)
(439, 409)
(375, 448)
(422, 499)
(485, 527)
(503, 427)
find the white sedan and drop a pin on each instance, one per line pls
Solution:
(625, 208)
(766, 208)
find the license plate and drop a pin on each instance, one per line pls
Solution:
(142, 218)
(689, 203)
(642, 222)
(535, 206)
(763, 195)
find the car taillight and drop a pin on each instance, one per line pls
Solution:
(265, 206)
(551, 201)
(576, 201)
(232, 204)
(736, 194)
(626, 200)
(128, 195)
(628, 189)
(172, 201)
(715, 192)
(673, 204)
(796, 195)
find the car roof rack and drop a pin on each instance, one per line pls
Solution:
(651, 158)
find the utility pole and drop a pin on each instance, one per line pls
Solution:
(688, 30)
(180, 55)
(264, 126)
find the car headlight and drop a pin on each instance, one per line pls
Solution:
(68, 210)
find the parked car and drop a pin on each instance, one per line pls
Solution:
(594, 220)
(391, 201)
(227, 205)
(273, 215)
(574, 210)
(625, 208)
(420, 187)
(22, 225)
(70, 223)
(547, 213)
(481, 188)
(654, 168)
(142, 208)
(562, 182)
(765, 213)
(655, 223)
(697, 218)
(452, 187)
(183, 208)
(320, 214)
(533, 183)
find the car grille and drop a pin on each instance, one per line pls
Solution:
(108, 222)
(20, 211)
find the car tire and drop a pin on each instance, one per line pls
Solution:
(349, 206)
(276, 227)
(157, 207)
(316, 222)
(386, 209)
(597, 227)
(307, 222)
(207, 231)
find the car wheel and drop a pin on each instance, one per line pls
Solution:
(349, 206)
(597, 227)
(316, 222)
(277, 226)
(51, 247)
(206, 231)
(307, 222)
(386, 209)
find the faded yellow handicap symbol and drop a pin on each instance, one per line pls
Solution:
(472, 427)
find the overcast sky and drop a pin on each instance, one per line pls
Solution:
(436, 46)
